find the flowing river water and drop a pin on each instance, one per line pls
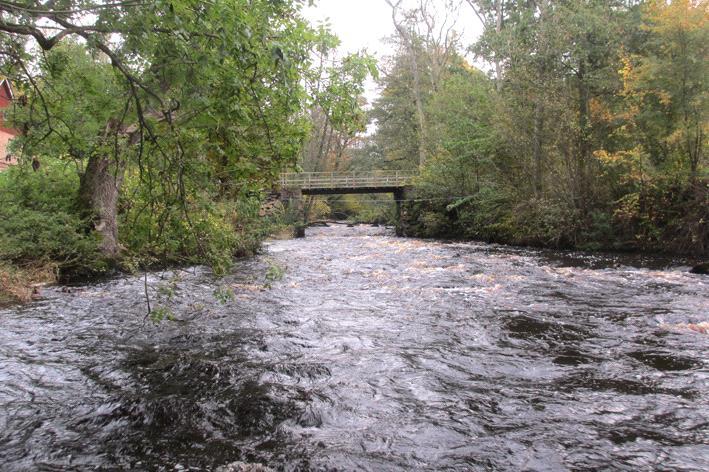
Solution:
(369, 353)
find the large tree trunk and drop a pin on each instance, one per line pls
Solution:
(98, 195)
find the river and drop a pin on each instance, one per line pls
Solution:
(356, 350)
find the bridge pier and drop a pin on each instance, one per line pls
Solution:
(292, 198)
(400, 196)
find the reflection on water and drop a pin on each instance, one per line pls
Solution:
(372, 353)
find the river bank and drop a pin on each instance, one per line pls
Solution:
(680, 233)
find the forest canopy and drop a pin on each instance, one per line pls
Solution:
(589, 130)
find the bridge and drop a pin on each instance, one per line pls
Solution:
(331, 183)
(296, 184)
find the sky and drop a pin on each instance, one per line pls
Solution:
(363, 24)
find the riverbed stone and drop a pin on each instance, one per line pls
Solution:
(243, 467)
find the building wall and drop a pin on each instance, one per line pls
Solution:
(6, 134)
(5, 102)
(4, 138)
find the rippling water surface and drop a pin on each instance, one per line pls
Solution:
(371, 353)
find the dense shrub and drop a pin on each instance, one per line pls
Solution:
(375, 213)
(664, 217)
(40, 224)
(42, 231)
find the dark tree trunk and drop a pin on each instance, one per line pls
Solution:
(98, 196)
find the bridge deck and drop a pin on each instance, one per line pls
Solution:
(348, 182)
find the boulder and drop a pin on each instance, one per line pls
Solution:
(243, 467)
(702, 269)
(321, 224)
(696, 327)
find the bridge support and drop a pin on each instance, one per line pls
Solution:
(292, 199)
(400, 196)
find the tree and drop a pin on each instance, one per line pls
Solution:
(429, 44)
(464, 136)
(209, 91)
(335, 103)
(395, 114)
(409, 42)
(335, 106)
(559, 60)
(491, 13)
(666, 83)
(594, 134)
(71, 111)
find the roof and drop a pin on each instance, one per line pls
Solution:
(6, 88)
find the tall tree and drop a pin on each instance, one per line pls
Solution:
(667, 83)
(335, 107)
(410, 42)
(491, 13)
(201, 81)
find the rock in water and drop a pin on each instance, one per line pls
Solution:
(243, 467)
(702, 268)
(696, 327)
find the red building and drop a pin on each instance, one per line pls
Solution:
(6, 134)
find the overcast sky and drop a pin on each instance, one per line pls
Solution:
(363, 24)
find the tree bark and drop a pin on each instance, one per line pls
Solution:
(98, 196)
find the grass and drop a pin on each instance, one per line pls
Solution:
(22, 284)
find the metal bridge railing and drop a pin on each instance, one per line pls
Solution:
(333, 180)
